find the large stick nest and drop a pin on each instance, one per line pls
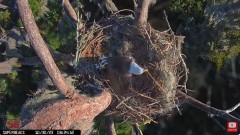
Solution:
(138, 98)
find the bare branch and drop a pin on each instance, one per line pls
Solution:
(3, 6)
(208, 109)
(233, 108)
(42, 50)
(6, 66)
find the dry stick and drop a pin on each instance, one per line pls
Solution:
(179, 50)
(77, 33)
(233, 108)
(210, 110)
(42, 50)
(142, 95)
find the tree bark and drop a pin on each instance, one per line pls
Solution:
(70, 11)
(73, 112)
(42, 50)
(142, 12)
(64, 114)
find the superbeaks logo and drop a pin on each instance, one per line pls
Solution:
(13, 124)
(232, 127)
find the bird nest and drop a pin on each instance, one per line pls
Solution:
(137, 98)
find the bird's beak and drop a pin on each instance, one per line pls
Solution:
(145, 70)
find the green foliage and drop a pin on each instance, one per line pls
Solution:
(234, 51)
(6, 82)
(19, 23)
(11, 116)
(124, 128)
(4, 18)
(13, 76)
(218, 36)
(37, 75)
(56, 35)
(53, 41)
(218, 59)
(3, 86)
(187, 8)
(39, 8)
(229, 38)
(12, 80)
(221, 1)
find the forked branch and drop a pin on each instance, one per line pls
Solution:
(206, 108)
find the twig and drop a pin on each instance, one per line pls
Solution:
(206, 108)
(166, 19)
(179, 50)
(233, 108)
(219, 124)
(142, 95)
(122, 102)
(3, 6)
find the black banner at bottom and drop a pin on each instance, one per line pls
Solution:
(40, 132)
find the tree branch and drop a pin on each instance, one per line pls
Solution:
(63, 114)
(71, 14)
(42, 50)
(208, 109)
(142, 12)
(6, 66)
(69, 11)
(233, 108)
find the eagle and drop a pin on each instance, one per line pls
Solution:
(122, 65)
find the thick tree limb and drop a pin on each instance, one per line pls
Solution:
(206, 108)
(64, 114)
(42, 50)
(70, 11)
(142, 12)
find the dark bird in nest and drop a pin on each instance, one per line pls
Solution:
(122, 65)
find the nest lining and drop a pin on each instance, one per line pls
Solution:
(138, 98)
